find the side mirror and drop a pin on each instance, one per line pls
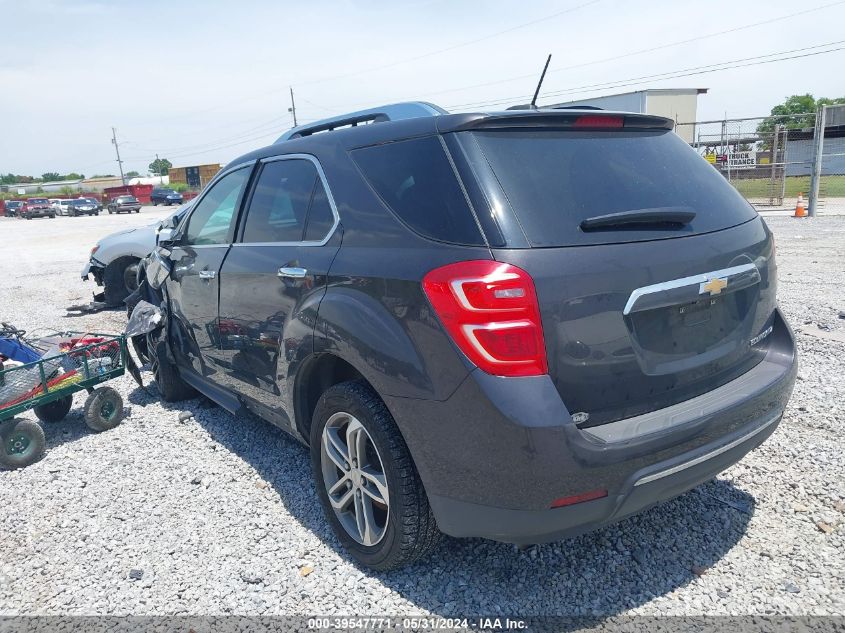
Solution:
(157, 269)
(165, 234)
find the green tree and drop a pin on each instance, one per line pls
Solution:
(160, 166)
(73, 176)
(50, 175)
(132, 174)
(785, 113)
(103, 175)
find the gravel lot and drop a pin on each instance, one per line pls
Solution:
(221, 516)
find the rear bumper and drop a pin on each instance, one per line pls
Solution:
(496, 454)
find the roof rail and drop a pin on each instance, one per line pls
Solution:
(392, 112)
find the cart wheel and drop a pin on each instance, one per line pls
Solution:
(54, 411)
(23, 443)
(103, 409)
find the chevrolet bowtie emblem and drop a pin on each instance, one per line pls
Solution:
(713, 287)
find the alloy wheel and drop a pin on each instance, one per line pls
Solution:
(354, 477)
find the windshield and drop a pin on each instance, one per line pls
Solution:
(554, 180)
(38, 201)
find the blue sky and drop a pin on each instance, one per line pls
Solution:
(206, 81)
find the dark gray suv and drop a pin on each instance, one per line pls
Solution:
(518, 325)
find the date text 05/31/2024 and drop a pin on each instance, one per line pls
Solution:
(419, 623)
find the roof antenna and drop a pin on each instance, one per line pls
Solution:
(540, 83)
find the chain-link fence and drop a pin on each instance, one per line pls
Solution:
(771, 160)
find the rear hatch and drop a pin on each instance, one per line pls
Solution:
(655, 278)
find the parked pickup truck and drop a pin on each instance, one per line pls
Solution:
(127, 204)
(37, 208)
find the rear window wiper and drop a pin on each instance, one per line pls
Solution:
(673, 216)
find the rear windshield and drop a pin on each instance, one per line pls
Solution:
(38, 201)
(127, 199)
(556, 179)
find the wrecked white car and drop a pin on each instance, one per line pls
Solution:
(114, 259)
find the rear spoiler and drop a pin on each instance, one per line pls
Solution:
(554, 119)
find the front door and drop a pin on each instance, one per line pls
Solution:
(274, 278)
(196, 258)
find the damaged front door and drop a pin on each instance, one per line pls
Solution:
(196, 257)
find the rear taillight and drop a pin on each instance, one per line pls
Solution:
(490, 310)
(598, 120)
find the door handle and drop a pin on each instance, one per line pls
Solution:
(292, 272)
(208, 274)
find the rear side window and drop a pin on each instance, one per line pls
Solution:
(556, 179)
(289, 204)
(416, 181)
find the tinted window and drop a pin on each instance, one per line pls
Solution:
(320, 217)
(212, 217)
(279, 209)
(415, 179)
(554, 180)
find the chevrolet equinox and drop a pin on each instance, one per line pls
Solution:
(518, 325)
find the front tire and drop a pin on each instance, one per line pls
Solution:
(119, 280)
(170, 385)
(23, 443)
(368, 486)
(103, 409)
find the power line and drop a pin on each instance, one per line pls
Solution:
(727, 65)
(395, 63)
(667, 45)
(684, 72)
(622, 55)
(274, 121)
(449, 48)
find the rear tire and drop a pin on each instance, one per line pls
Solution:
(402, 527)
(23, 443)
(166, 375)
(103, 409)
(54, 411)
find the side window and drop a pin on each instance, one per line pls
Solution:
(287, 195)
(211, 220)
(416, 181)
(320, 217)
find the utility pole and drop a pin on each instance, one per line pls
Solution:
(818, 150)
(292, 108)
(117, 151)
(160, 172)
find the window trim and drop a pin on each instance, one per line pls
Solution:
(183, 225)
(321, 175)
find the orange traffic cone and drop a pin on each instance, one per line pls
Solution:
(800, 211)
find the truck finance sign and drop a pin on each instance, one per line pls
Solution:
(742, 160)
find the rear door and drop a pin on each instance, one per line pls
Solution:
(274, 277)
(196, 259)
(663, 301)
